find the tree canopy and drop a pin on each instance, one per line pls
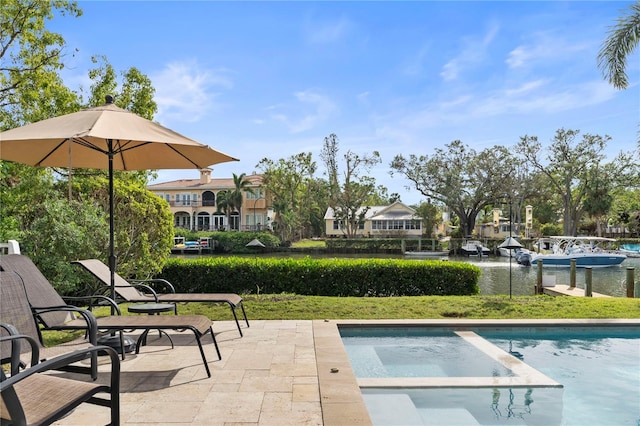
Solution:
(462, 179)
(59, 215)
(350, 190)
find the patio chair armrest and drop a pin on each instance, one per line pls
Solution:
(14, 338)
(145, 289)
(9, 328)
(162, 281)
(99, 298)
(64, 360)
(90, 319)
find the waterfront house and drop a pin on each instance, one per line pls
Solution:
(193, 203)
(395, 220)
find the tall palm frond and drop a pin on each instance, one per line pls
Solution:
(622, 40)
(241, 185)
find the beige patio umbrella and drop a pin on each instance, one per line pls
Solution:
(108, 138)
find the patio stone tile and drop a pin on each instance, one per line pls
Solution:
(305, 393)
(277, 401)
(154, 411)
(231, 407)
(268, 377)
(305, 368)
(267, 384)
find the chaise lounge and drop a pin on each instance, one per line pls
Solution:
(43, 297)
(16, 317)
(130, 293)
(30, 397)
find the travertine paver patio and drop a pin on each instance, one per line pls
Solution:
(279, 373)
(267, 377)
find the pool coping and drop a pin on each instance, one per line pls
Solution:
(340, 392)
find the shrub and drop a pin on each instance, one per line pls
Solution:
(322, 277)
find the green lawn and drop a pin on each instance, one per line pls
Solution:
(291, 307)
(294, 307)
(309, 244)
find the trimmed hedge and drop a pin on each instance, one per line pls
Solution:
(322, 277)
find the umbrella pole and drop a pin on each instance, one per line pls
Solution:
(112, 252)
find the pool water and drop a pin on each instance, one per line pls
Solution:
(418, 356)
(599, 369)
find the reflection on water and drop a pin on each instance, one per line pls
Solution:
(495, 273)
(465, 406)
(420, 356)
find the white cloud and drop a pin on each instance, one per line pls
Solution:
(320, 106)
(327, 32)
(544, 47)
(525, 87)
(473, 52)
(184, 90)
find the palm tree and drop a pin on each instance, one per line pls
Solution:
(241, 185)
(223, 205)
(622, 40)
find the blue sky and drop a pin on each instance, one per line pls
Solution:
(273, 79)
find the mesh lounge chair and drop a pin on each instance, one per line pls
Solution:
(32, 398)
(42, 297)
(15, 310)
(130, 293)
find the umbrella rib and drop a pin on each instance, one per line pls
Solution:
(39, 163)
(185, 157)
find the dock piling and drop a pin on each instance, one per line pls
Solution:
(572, 274)
(630, 282)
(588, 289)
(539, 278)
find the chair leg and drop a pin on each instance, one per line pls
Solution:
(244, 314)
(204, 358)
(235, 317)
(215, 342)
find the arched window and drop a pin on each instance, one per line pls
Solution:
(208, 199)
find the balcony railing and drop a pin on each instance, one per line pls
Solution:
(191, 204)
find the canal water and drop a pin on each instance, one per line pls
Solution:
(495, 277)
(495, 274)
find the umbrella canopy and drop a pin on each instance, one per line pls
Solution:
(255, 243)
(510, 243)
(86, 139)
(108, 138)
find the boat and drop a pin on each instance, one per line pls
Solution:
(587, 252)
(630, 250)
(474, 248)
(181, 246)
(543, 245)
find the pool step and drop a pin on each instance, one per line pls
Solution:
(447, 416)
(390, 409)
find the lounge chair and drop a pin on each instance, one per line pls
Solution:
(15, 310)
(130, 293)
(43, 297)
(32, 398)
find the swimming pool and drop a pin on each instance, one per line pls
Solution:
(426, 375)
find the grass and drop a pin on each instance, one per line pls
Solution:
(309, 244)
(295, 307)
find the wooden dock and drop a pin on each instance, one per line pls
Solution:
(565, 290)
